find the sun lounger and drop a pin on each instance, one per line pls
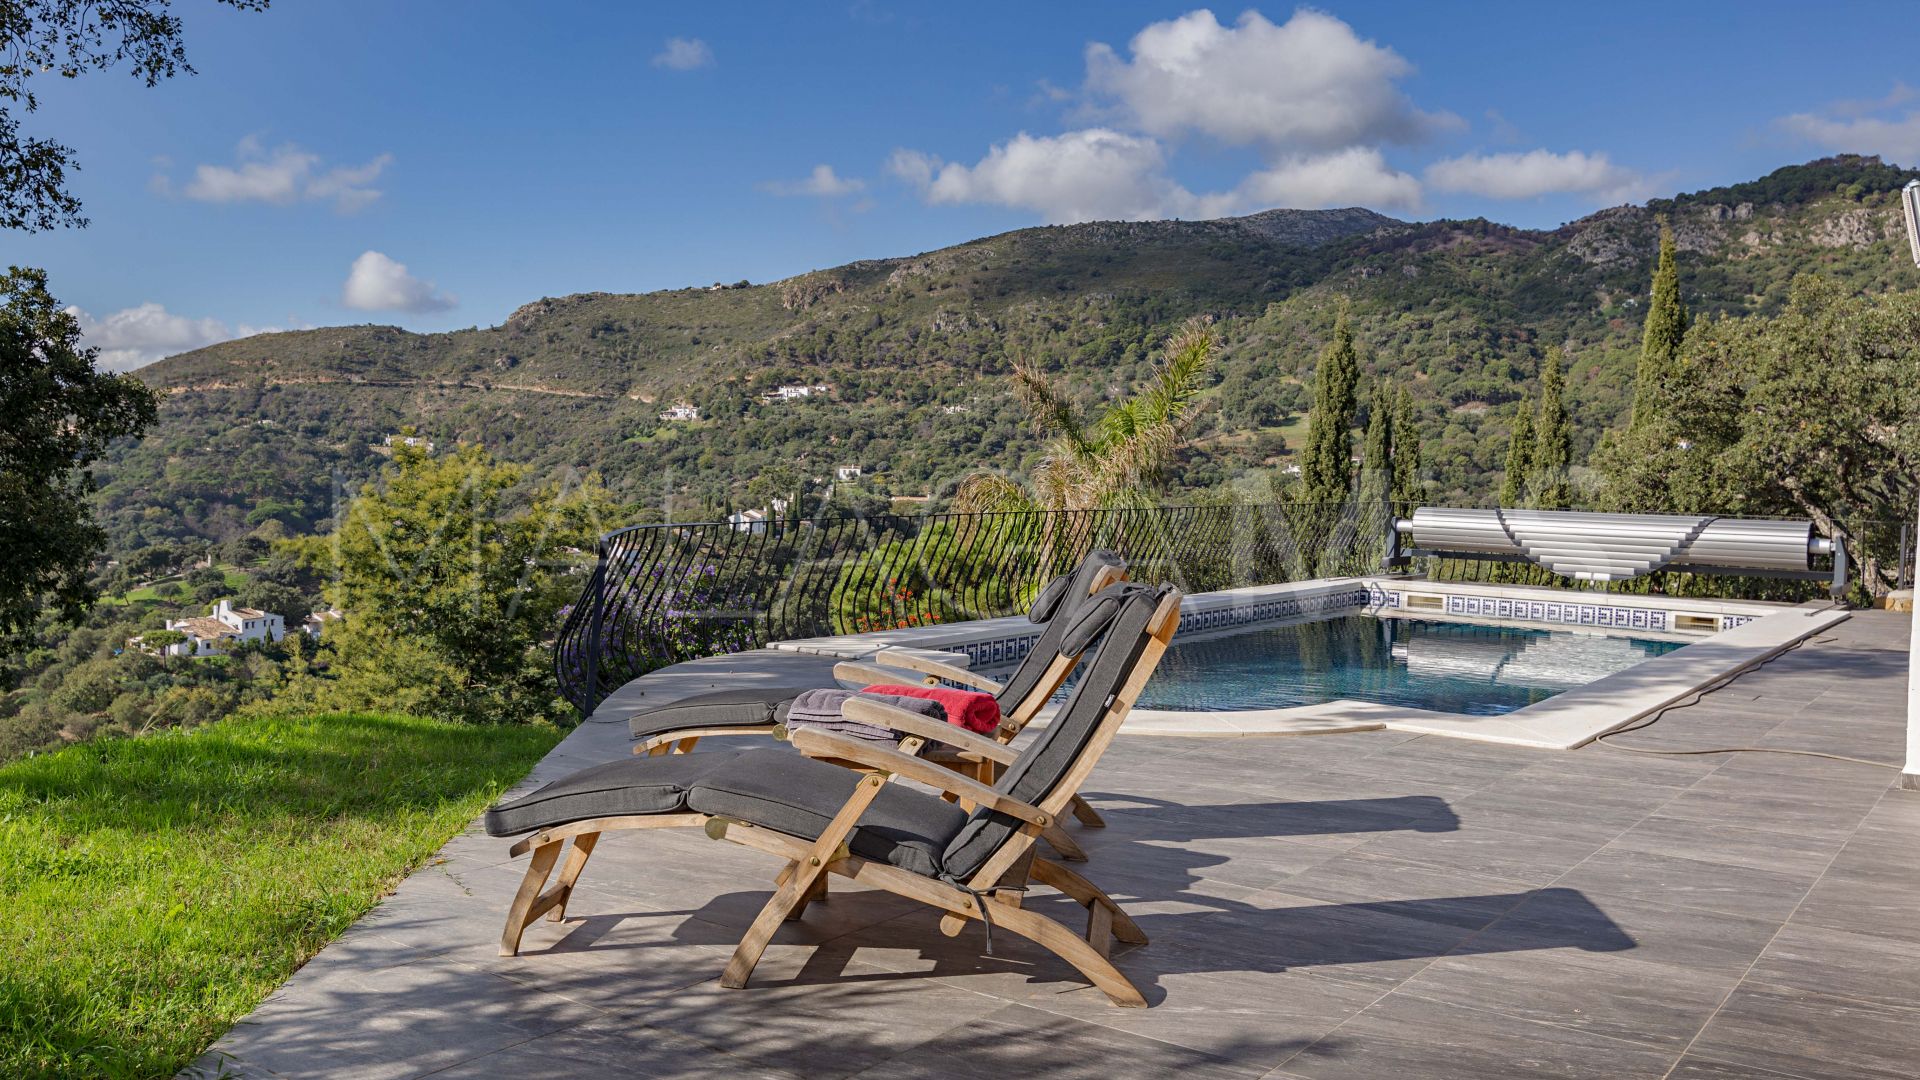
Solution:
(824, 819)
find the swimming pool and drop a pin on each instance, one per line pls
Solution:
(1424, 664)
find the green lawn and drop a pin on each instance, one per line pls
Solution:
(157, 888)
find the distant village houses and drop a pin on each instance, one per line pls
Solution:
(680, 412)
(418, 442)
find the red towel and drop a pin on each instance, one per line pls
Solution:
(969, 709)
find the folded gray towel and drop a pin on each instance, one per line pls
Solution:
(822, 709)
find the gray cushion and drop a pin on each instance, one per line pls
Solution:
(1045, 762)
(633, 785)
(799, 796)
(739, 706)
(1026, 678)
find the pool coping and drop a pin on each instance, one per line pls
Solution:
(1751, 633)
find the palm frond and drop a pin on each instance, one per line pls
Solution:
(992, 493)
(1051, 413)
(1184, 372)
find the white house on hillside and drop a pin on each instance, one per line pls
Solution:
(789, 393)
(748, 521)
(418, 441)
(207, 635)
(846, 472)
(680, 412)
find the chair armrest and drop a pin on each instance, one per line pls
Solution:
(903, 659)
(816, 743)
(855, 671)
(912, 723)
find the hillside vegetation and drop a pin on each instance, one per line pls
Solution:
(917, 351)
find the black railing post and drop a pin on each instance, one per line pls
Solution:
(596, 612)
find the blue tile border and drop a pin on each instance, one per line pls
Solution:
(1603, 616)
(998, 651)
(1007, 650)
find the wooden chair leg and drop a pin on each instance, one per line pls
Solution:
(1087, 814)
(686, 745)
(799, 883)
(521, 912)
(1089, 895)
(570, 872)
(818, 891)
(1067, 847)
(1075, 950)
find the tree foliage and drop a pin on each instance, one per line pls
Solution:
(68, 38)
(1408, 485)
(1326, 464)
(449, 598)
(1551, 460)
(57, 415)
(1809, 413)
(1513, 485)
(1662, 335)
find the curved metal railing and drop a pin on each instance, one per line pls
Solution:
(660, 594)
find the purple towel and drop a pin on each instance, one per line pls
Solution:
(822, 709)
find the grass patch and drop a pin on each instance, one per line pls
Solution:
(158, 888)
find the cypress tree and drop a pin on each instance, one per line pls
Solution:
(1406, 451)
(1326, 467)
(1376, 463)
(1513, 488)
(1666, 327)
(1326, 474)
(1376, 455)
(1553, 440)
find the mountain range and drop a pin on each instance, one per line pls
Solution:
(914, 353)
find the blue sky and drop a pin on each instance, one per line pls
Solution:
(436, 165)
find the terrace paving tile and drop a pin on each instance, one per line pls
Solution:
(1464, 900)
(1682, 882)
(1406, 1035)
(1697, 1067)
(399, 1020)
(1019, 1040)
(1488, 852)
(1811, 1033)
(1242, 1017)
(1357, 905)
(610, 1049)
(1563, 922)
(1730, 845)
(1655, 1004)
(1870, 968)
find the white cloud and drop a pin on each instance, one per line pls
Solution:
(377, 283)
(1894, 139)
(822, 182)
(684, 54)
(137, 336)
(1098, 174)
(1535, 173)
(1308, 84)
(1088, 175)
(287, 174)
(1356, 176)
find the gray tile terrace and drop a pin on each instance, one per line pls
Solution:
(1358, 905)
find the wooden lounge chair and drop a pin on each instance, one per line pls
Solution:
(823, 819)
(679, 725)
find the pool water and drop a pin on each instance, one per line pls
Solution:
(1440, 666)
